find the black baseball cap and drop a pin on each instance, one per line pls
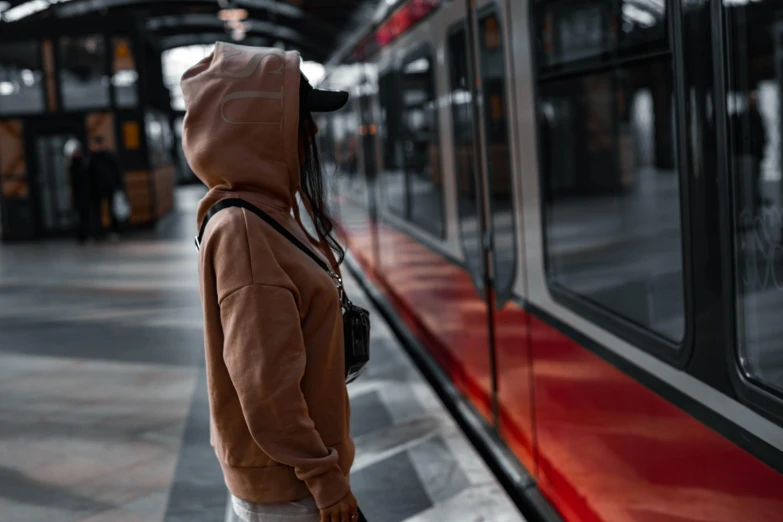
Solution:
(321, 100)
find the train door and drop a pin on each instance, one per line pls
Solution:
(501, 226)
(488, 213)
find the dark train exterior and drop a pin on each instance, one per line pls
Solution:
(576, 209)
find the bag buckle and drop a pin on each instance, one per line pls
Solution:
(338, 282)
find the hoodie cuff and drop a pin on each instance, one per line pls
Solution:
(328, 488)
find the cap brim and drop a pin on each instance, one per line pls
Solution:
(326, 101)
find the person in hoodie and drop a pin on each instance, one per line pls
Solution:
(272, 317)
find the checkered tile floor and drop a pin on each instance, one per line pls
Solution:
(103, 405)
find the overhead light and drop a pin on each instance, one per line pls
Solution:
(638, 16)
(28, 77)
(26, 9)
(124, 78)
(417, 66)
(7, 88)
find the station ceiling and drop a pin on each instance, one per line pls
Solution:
(316, 27)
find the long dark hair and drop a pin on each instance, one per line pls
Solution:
(312, 182)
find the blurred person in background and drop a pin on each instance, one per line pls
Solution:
(750, 142)
(272, 317)
(81, 192)
(107, 179)
(758, 144)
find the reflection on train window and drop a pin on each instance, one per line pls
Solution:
(493, 81)
(21, 78)
(348, 149)
(420, 144)
(462, 131)
(642, 21)
(368, 131)
(595, 29)
(611, 192)
(393, 173)
(84, 83)
(344, 127)
(754, 113)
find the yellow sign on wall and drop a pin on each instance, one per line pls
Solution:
(130, 135)
(123, 56)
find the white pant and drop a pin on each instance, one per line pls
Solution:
(299, 511)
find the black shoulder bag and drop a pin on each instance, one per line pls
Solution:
(356, 320)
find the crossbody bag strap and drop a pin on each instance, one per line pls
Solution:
(241, 203)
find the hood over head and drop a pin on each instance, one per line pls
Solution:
(240, 134)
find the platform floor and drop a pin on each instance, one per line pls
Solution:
(103, 407)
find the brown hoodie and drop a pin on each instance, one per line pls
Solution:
(272, 319)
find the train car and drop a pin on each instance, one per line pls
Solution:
(574, 208)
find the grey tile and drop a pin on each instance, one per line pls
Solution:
(198, 492)
(101, 341)
(439, 471)
(401, 402)
(368, 415)
(387, 362)
(393, 440)
(29, 496)
(390, 490)
(150, 506)
(485, 504)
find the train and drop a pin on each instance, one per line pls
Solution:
(574, 209)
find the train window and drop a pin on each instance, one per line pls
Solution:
(462, 133)
(395, 193)
(755, 49)
(346, 150)
(574, 30)
(611, 193)
(352, 169)
(496, 108)
(420, 142)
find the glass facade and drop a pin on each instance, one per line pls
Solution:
(22, 82)
(84, 83)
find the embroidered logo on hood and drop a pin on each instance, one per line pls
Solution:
(240, 133)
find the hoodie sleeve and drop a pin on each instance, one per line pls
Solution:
(265, 355)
